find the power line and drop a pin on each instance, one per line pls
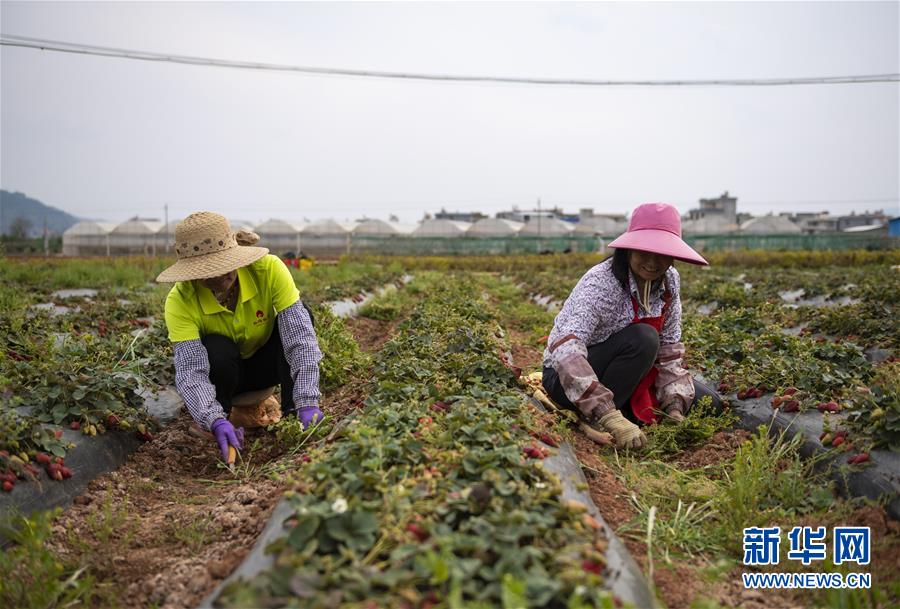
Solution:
(85, 49)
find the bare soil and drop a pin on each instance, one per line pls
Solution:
(170, 524)
(527, 357)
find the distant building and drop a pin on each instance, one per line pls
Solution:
(460, 216)
(587, 213)
(724, 206)
(525, 215)
(813, 223)
(863, 219)
(894, 227)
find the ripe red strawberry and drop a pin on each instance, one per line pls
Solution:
(58, 433)
(838, 440)
(828, 407)
(857, 459)
(66, 472)
(440, 406)
(792, 406)
(789, 391)
(591, 566)
(742, 395)
(7, 486)
(75, 425)
(418, 532)
(776, 401)
(42, 458)
(112, 421)
(548, 440)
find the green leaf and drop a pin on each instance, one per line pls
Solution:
(513, 593)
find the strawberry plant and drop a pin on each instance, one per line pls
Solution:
(433, 503)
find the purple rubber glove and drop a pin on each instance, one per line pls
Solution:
(309, 415)
(226, 434)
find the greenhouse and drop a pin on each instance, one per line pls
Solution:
(546, 227)
(87, 238)
(136, 236)
(708, 225)
(326, 238)
(600, 225)
(441, 228)
(379, 228)
(280, 236)
(494, 227)
(770, 225)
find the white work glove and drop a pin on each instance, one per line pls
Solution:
(625, 433)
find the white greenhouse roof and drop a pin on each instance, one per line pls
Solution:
(441, 228)
(769, 225)
(138, 227)
(599, 225)
(546, 227)
(89, 227)
(328, 227)
(275, 226)
(375, 227)
(495, 227)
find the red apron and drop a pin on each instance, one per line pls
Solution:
(643, 401)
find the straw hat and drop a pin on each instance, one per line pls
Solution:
(656, 227)
(206, 247)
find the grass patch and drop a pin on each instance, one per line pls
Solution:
(700, 424)
(33, 576)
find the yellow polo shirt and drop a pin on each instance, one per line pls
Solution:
(265, 288)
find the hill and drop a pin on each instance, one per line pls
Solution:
(14, 205)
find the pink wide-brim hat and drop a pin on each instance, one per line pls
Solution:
(656, 228)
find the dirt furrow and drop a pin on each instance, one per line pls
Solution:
(165, 528)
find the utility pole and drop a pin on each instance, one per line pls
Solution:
(46, 238)
(539, 225)
(166, 229)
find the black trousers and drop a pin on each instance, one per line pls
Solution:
(231, 374)
(620, 362)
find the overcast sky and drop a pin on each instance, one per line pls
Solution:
(109, 138)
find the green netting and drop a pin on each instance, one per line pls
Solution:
(472, 245)
(835, 241)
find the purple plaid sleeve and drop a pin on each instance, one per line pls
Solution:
(192, 382)
(301, 349)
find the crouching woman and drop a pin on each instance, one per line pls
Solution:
(615, 352)
(237, 324)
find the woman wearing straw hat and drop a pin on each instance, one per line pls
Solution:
(615, 352)
(222, 314)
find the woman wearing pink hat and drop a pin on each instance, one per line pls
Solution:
(615, 351)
